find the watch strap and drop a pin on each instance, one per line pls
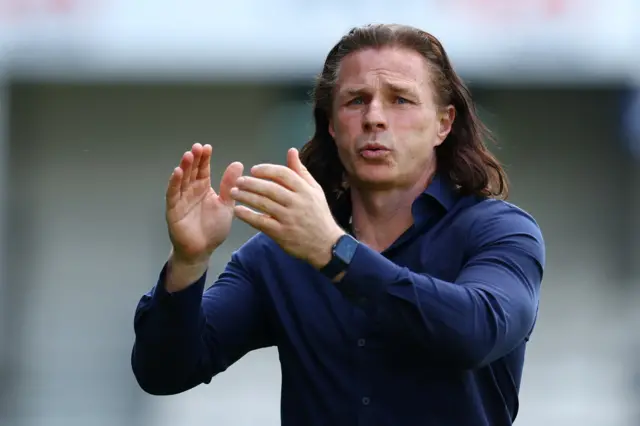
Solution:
(341, 254)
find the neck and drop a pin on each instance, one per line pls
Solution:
(380, 217)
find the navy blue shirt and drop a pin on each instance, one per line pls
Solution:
(430, 332)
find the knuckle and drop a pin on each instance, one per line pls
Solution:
(261, 204)
(271, 192)
(288, 201)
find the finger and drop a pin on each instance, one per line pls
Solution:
(186, 164)
(295, 164)
(196, 150)
(259, 202)
(259, 221)
(231, 175)
(204, 170)
(280, 174)
(172, 195)
(266, 188)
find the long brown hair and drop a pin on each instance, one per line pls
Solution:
(463, 156)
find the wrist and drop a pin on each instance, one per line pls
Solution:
(177, 257)
(182, 273)
(323, 256)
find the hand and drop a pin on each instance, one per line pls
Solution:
(291, 209)
(199, 220)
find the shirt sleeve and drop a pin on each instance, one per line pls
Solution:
(184, 339)
(487, 312)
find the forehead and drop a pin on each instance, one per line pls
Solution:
(386, 65)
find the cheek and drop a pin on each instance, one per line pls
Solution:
(418, 134)
(346, 130)
(349, 120)
(413, 121)
(341, 138)
(343, 146)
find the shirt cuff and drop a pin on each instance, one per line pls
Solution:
(183, 303)
(368, 276)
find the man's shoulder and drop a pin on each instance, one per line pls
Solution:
(478, 212)
(488, 221)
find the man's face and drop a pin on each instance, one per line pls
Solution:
(385, 120)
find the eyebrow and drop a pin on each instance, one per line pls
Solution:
(390, 87)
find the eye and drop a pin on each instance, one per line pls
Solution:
(356, 101)
(402, 100)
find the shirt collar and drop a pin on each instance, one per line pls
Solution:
(442, 190)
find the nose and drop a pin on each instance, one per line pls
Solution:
(374, 119)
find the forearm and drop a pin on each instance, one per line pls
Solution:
(169, 355)
(186, 337)
(464, 326)
(467, 323)
(182, 274)
(169, 366)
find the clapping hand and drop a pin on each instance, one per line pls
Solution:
(287, 204)
(198, 218)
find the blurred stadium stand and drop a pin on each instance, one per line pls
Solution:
(99, 98)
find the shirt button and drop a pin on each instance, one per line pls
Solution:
(365, 401)
(362, 342)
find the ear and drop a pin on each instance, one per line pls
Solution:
(446, 118)
(332, 130)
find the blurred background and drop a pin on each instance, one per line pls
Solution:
(99, 99)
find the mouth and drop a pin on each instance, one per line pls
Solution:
(373, 150)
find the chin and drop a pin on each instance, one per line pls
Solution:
(377, 180)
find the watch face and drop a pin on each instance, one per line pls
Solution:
(346, 248)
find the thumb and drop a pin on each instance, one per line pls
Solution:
(231, 175)
(295, 164)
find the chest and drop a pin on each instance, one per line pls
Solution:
(313, 317)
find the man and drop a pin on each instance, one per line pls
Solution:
(397, 286)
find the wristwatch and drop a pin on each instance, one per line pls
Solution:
(341, 254)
